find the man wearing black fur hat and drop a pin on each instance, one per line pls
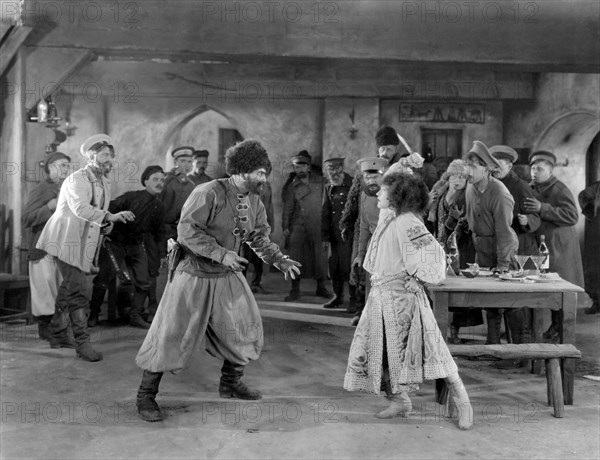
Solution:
(124, 245)
(208, 293)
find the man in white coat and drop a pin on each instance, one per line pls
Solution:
(72, 236)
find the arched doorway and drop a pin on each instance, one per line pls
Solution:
(570, 137)
(203, 128)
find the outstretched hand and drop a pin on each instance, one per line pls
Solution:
(288, 267)
(234, 262)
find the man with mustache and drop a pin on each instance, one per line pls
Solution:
(301, 221)
(207, 293)
(178, 187)
(200, 162)
(72, 236)
(334, 200)
(490, 217)
(372, 169)
(525, 224)
(125, 245)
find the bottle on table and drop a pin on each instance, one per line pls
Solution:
(453, 268)
(543, 251)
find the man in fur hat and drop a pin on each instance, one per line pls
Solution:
(72, 235)
(208, 293)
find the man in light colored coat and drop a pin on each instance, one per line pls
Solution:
(72, 236)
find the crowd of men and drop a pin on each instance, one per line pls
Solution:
(479, 204)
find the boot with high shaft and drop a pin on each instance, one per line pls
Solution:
(146, 397)
(95, 305)
(231, 385)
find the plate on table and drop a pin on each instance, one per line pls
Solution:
(485, 273)
(510, 277)
(544, 278)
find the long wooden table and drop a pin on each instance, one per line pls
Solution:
(489, 292)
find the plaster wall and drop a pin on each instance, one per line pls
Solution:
(490, 132)
(564, 118)
(336, 138)
(140, 129)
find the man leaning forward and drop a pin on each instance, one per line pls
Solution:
(207, 293)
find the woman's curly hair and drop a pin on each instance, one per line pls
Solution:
(406, 193)
(245, 157)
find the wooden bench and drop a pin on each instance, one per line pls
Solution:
(15, 298)
(551, 353)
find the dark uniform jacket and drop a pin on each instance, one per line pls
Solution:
(148, 211)
(334, 201)
(519, 189)
(177, 189)
(559, 215)
(36, 214)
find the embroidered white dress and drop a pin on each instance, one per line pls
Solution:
(416, 351)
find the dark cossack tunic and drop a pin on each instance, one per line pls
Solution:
(205, 299)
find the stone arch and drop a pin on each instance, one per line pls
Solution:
(569, 137)
(172, 134)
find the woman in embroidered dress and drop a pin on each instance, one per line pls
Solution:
(397, 343)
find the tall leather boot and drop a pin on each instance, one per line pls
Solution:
(295, 292)
(98, 293)
(461, 400)
(44, 326)
(146, 397)
(338, 299)
(231, 386)
(494, 320)
(135, 314)
(59, 337)
(353, 302)
(84, 348)
(322, 291)
(553, 332)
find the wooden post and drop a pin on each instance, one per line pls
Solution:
(555, 388)
(16, 155)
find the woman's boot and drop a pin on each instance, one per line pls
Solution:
(400, 405)
(146, 397)
(461, 400)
